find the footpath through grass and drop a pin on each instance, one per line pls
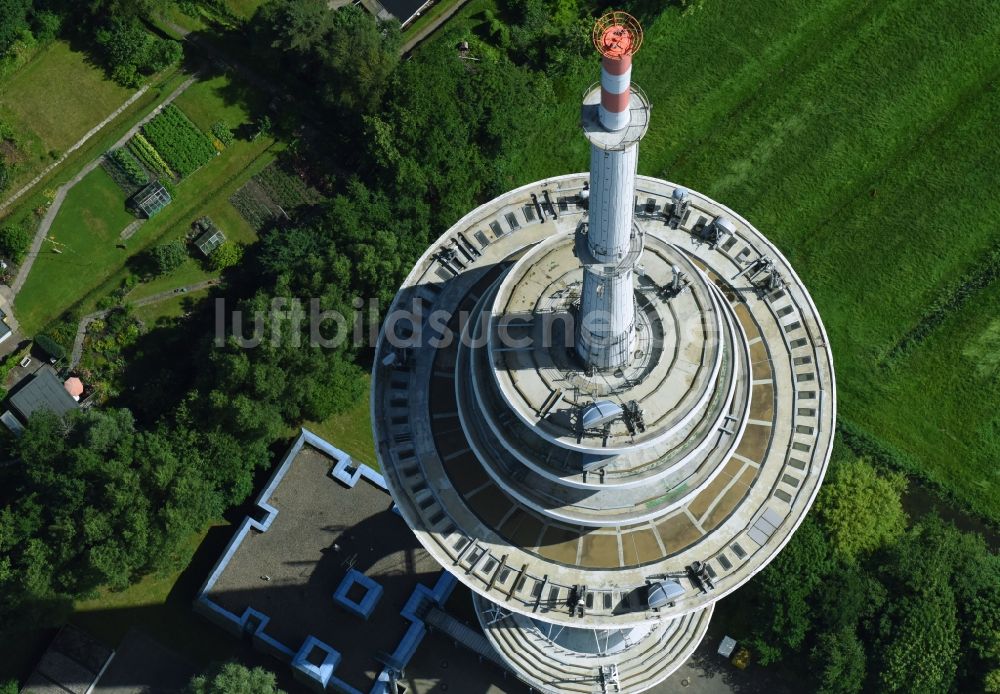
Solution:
(81, 244)
(862, 139)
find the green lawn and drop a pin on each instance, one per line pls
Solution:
(168, 309)
(207, 102)
(862, 139)
(350, 431)
(86, 230)
(53, 101)
(244, 8)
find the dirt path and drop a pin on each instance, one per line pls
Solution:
(50, 214)
(81, 331)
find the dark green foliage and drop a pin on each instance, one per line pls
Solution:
(131, 51)
(15, 240)
(839, 658)
(782, 592)
(13, 21)
(234, 678)
(98, 502)
(168, 256)
(923, 612)
(179, 141)
(50, 346)
(346, 54)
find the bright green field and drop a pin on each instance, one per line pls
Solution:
(862, 138)
(86, 230)
(53, 101)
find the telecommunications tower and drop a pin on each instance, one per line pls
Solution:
(603, 402)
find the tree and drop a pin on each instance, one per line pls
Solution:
(920, 652)
(859, 509)
(50, 346)
(13, 21)
(131, 51)
(15, 240)
(781, 594)
(234, 678)
(950, 571)
(168, 256)
(838, 658)
(226, 255)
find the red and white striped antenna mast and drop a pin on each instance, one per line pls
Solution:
(617, 37)
(615, 116)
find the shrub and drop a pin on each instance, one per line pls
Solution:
(15, 240)
(226, 255)
(222, 131)
(168, 256)
(50, 346)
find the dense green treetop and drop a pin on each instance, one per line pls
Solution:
(234, 678)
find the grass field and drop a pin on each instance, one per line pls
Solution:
(862, 139)
(168, 309)
(86, 230)
(209, 101)
(350, 431)
(53, 101)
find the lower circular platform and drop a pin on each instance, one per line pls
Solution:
(557, 659)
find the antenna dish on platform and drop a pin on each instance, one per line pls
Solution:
(617, 35)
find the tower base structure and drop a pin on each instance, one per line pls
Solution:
(554, 658)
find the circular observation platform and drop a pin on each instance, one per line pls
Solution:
(479, 440)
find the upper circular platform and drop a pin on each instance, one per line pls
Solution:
(617, 35)
(613, 140)
(672, 375)
(479, 440)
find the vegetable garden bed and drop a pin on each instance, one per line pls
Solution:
(183, 147)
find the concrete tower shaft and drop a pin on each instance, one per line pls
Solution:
(612, 202)
(606, 330)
